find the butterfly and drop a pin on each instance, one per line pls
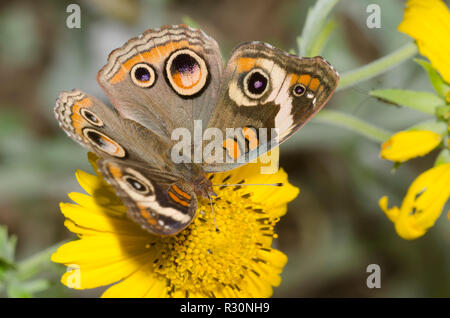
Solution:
(172, 78)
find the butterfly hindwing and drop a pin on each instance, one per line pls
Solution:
(161, 206)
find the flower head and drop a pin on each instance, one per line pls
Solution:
(422, 204)
(428, 22)
(236, 261)
(406, 145)
(430, 191)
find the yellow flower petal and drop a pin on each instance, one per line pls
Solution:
(99, 250)
(137, 285)
(406, 145)
(97, 219)
(428, 22)
(422, 204)
(391, 213)
(237, 261)
(92, 277)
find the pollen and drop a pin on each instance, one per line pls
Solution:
(201, 258)
(237, 260)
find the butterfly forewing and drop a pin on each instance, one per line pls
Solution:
(165, 78)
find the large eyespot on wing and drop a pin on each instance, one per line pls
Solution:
(186, 72)
(253, 80)
(256, 83)
(186, 87)
(264, 87)
(134, 183)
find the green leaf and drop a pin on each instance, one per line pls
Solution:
(319, 43)
(16, 290)
(35, 264)
(422, 101)
(443, 157)
(299, 44)
(316, 20)
(190, 22)
(433, 125)
(377, 67)
(353, 123)
(35, 286)
(7, 249)
(436, 79)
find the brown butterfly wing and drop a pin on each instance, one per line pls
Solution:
(135, 161)
(264, 87)
(103, 131)
(159, 205)
(165, 78)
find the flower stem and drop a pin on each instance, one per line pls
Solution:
(377, 67)
(34, 264)
(316, 20)
(351, 122)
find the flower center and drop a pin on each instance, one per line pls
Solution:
(200, 258)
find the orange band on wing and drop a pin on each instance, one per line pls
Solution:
(85, 102)
(115, 171)
(177, 199)
(304, 79)
(152, 56)
(181, 192)
(232, 148)
(314, 84)
(294, 79)
(76, 118)
(245, 64)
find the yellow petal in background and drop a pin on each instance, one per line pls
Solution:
(237, 261)
(422, 204)
(406, 145)
(428, 22)
(391, 213)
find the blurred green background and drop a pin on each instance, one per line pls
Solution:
(332, 231)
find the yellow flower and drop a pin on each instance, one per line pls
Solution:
(422, 204)
(406, 145)
(237, 261)
(428, 194)
(428, 22)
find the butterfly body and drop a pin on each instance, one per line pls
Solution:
(170, 81)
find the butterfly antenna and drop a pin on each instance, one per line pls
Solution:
(212, 211)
